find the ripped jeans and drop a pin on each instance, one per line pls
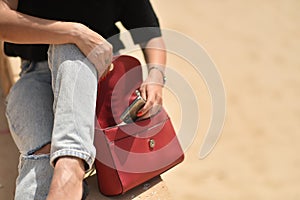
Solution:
(52, 103)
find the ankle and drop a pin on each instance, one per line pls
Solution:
(67, 179)
(71, 164)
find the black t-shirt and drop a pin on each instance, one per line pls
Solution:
(99, 15)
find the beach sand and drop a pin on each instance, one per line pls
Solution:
(255, 46)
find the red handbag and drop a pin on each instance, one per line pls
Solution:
(130, 154)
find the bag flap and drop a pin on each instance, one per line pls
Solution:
(117, 90)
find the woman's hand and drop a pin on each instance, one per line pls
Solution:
(151, 91)
(152, 88)
(94, 47)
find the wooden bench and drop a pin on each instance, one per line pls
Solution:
(9, 70)
(152, 190)
(155, 189)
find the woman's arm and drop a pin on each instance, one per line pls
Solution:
(151, 90)
(20, 28)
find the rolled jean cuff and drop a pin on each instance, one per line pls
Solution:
(89, 160)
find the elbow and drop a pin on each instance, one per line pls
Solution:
(154, 43)
(2, 26)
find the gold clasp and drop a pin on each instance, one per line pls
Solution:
(111, 67)
(151, 143)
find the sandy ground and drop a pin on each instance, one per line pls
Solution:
(255, 45)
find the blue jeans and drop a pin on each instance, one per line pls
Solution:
(52, 102)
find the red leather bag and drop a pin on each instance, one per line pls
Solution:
(130, 154)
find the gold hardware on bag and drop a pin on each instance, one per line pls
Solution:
(151, 143)
(111, 67)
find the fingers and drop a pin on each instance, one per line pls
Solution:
(143, 91)
(94, 47)
(100, 55)
(102, 58)
(153, 104)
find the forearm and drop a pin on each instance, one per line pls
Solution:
(151, 90)
(155, 57)
(155, 52)
(24, 29)
(20, 28)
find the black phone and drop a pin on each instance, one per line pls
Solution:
(129, 115)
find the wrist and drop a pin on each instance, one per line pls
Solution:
(75, 34)
(159, 71)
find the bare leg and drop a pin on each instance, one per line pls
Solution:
(67, 179)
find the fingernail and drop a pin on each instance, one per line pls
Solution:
(139, 114)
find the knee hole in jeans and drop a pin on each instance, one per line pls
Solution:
(44, 150)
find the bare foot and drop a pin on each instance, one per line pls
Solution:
(67, 179)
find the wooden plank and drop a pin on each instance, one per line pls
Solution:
(153, 189)
(14, 68)
(5, 78)
(9, 70)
